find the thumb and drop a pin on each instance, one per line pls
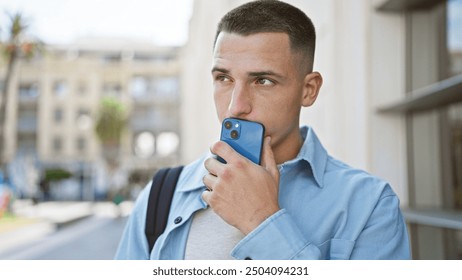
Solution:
(268, 161)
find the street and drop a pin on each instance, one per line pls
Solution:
(93, 238)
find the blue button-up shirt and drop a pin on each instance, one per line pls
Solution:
(328, 211)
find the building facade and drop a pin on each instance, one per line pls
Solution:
(54, 105)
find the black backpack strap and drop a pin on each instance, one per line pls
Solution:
(160, 198)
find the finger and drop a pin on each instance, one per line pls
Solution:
(209, 181)
(213, 166)
(206, 196)
(225, 151)
(268, 161)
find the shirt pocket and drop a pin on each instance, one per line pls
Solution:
(336, 249)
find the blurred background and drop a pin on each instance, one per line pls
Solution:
(98, 95)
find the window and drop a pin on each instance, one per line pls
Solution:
(112, 89)
(26, 145)
(161, 88)
(454, 29)
(139, 87)
(27, 121)
(57, 145)
(82, 112)
(431, 135)
(28, 91)
(455, 120)
(111, 58)
(81, 144)
(433, 113)
(60, 88)
(167, 87)
(58, 115)
(147, 57)
(83, 119)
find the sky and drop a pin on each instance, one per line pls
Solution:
(162, 22)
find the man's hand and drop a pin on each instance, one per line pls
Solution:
(241, 192)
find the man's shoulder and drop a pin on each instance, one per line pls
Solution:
(355, 180)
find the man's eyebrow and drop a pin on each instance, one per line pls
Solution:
(251, 74)
(265, 73)
(218, 69)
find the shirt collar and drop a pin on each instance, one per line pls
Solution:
(311, 151)
(192, 175)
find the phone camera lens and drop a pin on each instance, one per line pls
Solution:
(228, 124)
(234, 134)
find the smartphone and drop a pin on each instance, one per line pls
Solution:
(245, 137)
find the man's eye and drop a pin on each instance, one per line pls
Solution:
(264, 82)
(222, 78)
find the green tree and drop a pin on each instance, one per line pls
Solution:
(16, 46)
(110, 126)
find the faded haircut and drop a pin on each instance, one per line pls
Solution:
(273, 16)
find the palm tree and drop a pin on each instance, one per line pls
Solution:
(110, 126)
(16, 46)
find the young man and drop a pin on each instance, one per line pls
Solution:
(300, 203)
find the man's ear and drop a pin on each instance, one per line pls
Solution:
(312, 85)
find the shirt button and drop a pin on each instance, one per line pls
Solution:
(178, 220)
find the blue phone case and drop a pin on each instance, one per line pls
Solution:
(245, 137)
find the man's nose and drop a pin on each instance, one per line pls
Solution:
(241, 101)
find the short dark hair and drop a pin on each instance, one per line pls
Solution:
(273, 16)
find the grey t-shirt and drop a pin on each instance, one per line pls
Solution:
(211, 238)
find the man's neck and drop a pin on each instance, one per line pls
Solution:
(287, 149)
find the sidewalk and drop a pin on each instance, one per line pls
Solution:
(37, 221)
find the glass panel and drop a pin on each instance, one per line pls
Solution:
(27, 120)
(454, 30)
(28, 91)
(455, 124)
(81, 144)
(57, 144)
(112, 89)
(139, 87)
(26, 145)
(58, 115)
(111, 58)
(435, 53)
(60, 88)
(167, 88)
